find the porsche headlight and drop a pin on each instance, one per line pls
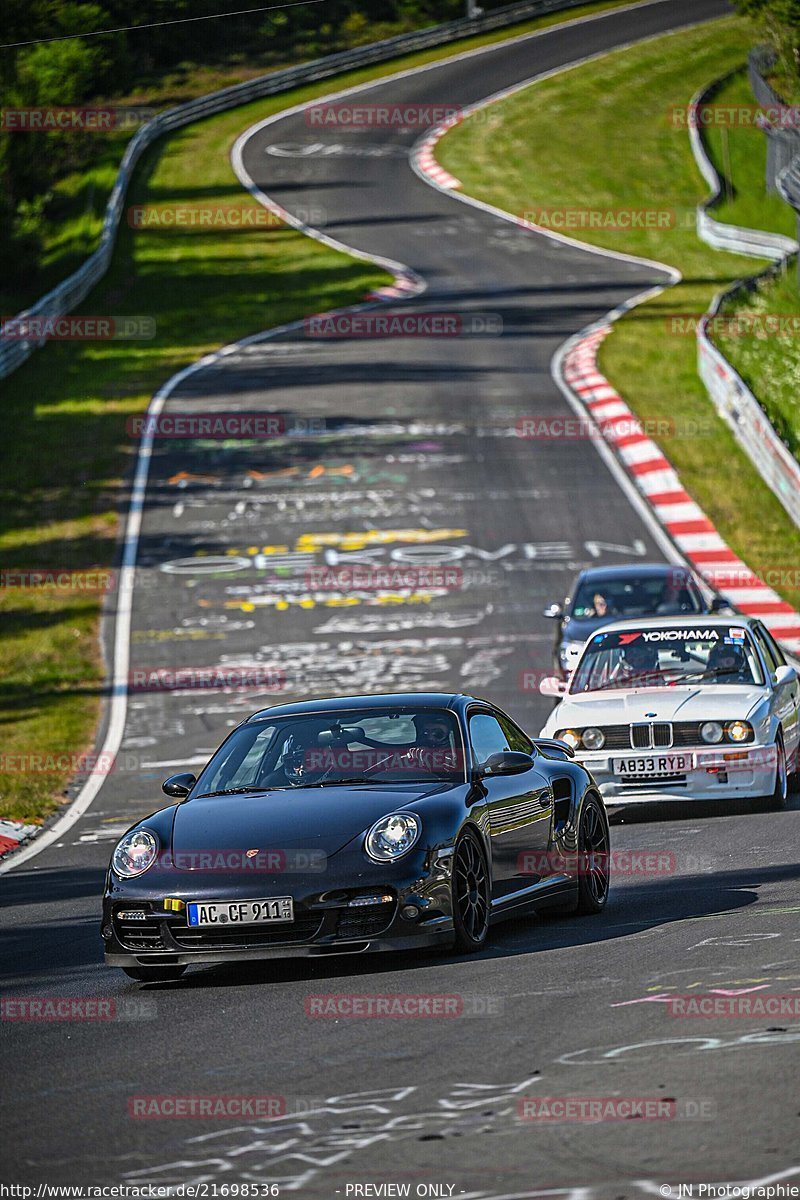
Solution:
(392, 836)
(593, 738)
(739, 731)
(570, 736)
(135, 853)
(711, 732)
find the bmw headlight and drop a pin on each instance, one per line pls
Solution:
(135, 853)
(739, 731)
(570, 736)
(711, 732)
(593, 738)
(392, 836)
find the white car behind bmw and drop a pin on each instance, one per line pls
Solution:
(682, 708)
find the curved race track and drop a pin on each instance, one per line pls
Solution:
(410, 456)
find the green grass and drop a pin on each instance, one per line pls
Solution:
(74, 217)
(61, 476)
(511, 158)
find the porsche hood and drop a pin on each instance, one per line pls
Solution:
(320, 820)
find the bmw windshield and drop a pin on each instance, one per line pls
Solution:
(667, 657)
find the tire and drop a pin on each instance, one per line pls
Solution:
(594, 840)
(154, 974)
(471, 895)
(780, 793)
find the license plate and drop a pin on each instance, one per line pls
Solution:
(215, 913)
(653, 764)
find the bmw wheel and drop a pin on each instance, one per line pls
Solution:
(780, 794)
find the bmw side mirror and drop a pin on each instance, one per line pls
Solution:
(179, 786)
(552, 611)
(506, 762)
(551, 685)
(784, 674)
(719, 604)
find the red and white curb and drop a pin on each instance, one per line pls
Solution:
(13, 834)
(424, 159)
(684, 520)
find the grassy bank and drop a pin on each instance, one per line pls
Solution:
(511, 159)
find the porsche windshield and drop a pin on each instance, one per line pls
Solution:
(368, 746)
(667, 658)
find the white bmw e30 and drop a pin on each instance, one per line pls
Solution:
(682, 708)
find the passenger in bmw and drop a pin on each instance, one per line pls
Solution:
(728, 661)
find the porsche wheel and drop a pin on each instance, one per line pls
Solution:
(593, 857)
(154, 974)
(470, 895)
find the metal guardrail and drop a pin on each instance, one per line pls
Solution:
(735, 238)
(783, 140)
(740, 408)
(732, 398)
(74, 289)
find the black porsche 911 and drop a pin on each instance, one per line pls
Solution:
(354, 825)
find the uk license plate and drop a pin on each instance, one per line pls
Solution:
(652, 764)
(214, 913)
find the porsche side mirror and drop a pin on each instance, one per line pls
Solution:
(506, 762)
(179, 786)
(784, 674)
(551, 685)
(552, 611)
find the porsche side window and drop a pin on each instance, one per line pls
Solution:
(486, 736)
(517, 740)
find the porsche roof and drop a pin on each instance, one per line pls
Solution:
(345, 703)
